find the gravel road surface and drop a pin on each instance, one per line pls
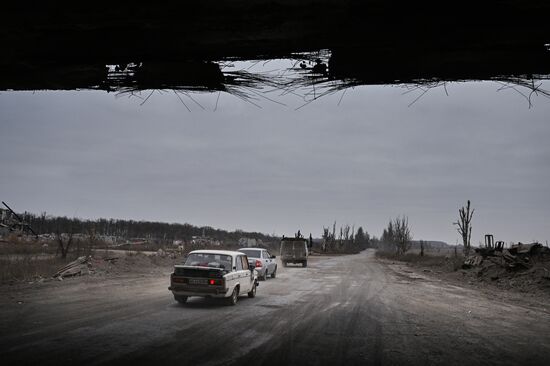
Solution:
(352, 310)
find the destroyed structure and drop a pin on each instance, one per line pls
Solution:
(516, 257)
(11, 222)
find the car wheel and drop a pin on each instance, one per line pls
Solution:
(180, 299)
(304, 264)
(263, 277)
(252, 292)
(274, 274)
(232, 300)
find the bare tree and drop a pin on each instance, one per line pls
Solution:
(465, 226)
(401, 234)
(327, 239)
(386, 240)
(347, 238)
(362, 238)
(346, 233)
(332, 244)
(64, 245)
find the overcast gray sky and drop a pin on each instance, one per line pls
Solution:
(277, 170)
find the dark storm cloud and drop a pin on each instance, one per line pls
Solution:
(276, 169)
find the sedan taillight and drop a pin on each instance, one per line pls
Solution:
(258, 263)
(179, 280)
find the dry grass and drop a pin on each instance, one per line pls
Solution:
(444, 259)
(13, 246)
(22, 260)
(28, 267)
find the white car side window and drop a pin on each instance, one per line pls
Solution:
(245, 262)
(240, 263)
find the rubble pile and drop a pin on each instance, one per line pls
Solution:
(517, 256)
(525, 263)
(82, 265)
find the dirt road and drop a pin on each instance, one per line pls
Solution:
(351, 310)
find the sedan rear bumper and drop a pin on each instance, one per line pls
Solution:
(185, 290)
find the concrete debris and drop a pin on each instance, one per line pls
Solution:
(518, 256)
(531, 249)
(81, 266)
(168, 253)
(472, 261)
(76, 267)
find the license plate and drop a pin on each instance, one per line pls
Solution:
(198, 281)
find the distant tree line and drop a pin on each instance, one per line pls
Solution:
(346, 239)
(152, 230)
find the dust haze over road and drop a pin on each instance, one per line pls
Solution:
(350, 309)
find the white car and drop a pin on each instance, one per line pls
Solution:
(214, 273)
(262, 260)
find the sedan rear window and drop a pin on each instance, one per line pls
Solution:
(209, 260)
(252, 253)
